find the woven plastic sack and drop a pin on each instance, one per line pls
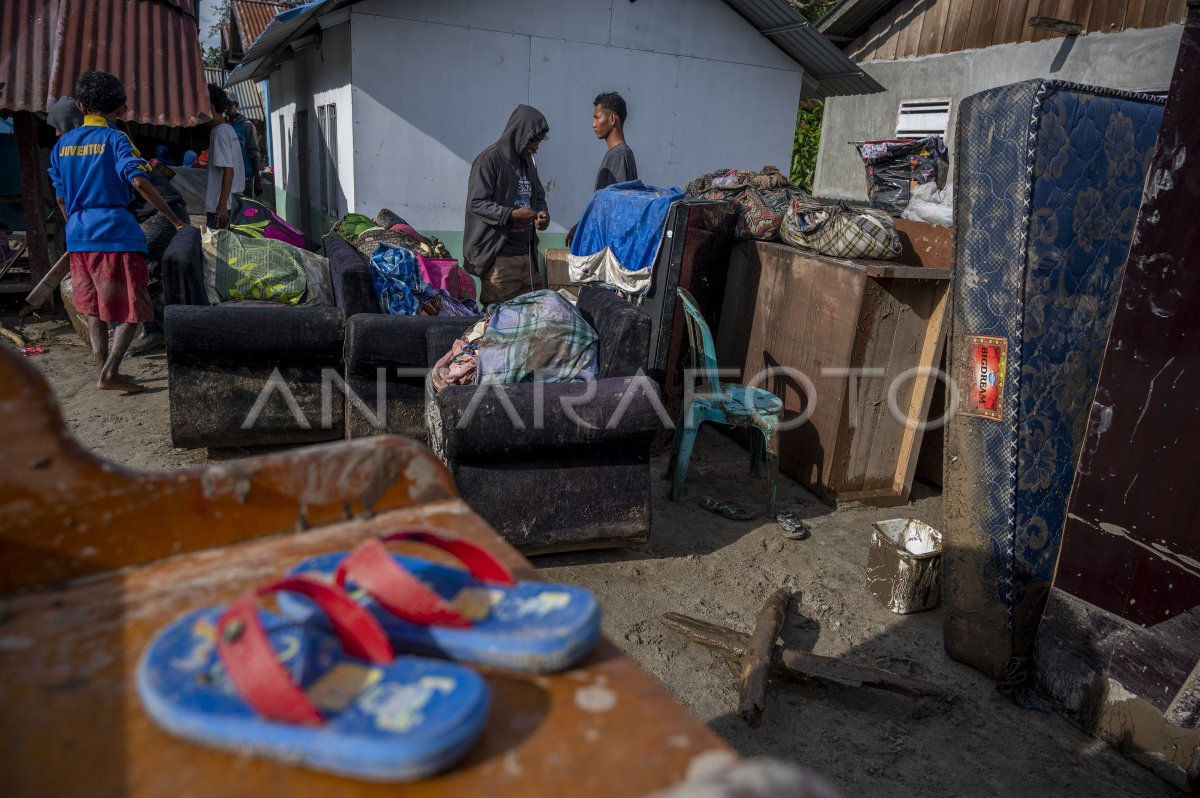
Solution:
(840, 231)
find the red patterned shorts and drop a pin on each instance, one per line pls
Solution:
(111, 285)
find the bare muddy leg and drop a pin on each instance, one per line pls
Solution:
(110, 373)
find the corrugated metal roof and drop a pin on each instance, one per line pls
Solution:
(849, 18)
(252, 17)
(833, 73)
(248, 95)
(153, 46)
(259, 60)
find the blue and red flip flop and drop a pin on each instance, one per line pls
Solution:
(252, 681)
(481, 615)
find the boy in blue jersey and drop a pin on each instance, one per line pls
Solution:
(92, 168)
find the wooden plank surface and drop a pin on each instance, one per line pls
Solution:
(923, 389)
(67, 513)
(69, 657)
(981, 25)
(933, 26)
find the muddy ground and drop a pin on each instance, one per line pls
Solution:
(866, 742)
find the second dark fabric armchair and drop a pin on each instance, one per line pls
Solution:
(578, 478)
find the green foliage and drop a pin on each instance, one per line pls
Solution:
(212, 57)
(806, 142)
(813, 10)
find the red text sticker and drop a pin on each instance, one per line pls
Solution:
(983, 388)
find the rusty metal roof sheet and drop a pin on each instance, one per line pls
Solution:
(253, 16)
(153, 46)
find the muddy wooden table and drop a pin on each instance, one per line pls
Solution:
(94, 559)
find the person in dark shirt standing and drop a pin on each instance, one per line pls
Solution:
(506, 203)
(608, 123)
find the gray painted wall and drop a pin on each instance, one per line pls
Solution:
(434, 83)
(1132, 59)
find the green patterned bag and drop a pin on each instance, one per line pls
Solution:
(253, 268)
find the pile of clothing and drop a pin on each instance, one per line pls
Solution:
(402, 291)
(762, 198)
(539, 336)
(618, 237)
(536, 337)
(427, 281)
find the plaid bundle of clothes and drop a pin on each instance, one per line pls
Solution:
(762, 198)
(840, 231)
(537, 336)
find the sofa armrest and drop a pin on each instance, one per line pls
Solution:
(350, 273)
(440, 340)
(567, 415)
(375, 340)
(290, 336)
(623, 328)
(183, 269)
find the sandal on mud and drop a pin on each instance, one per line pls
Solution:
(730, 510)
(791, 526)
(480, 615)
(248, 680)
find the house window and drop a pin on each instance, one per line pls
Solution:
(327, 130)
(920, 118)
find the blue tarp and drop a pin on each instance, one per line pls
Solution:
(628, 218)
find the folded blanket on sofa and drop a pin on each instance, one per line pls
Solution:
(618, 236)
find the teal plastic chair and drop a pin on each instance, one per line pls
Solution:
(723, 403)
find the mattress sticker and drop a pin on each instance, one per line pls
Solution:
(987, 361)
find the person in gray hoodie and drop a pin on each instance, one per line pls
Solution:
(505, 203)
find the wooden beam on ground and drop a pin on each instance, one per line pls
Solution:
(797, 664)
(32, 196)
(756, 665)
(45, 288)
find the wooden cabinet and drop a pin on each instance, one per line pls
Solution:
(854, 344)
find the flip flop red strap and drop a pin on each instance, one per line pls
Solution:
(372, 568)
(479, 561)
(255, 670)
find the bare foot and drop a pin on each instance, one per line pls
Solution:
(119, 383)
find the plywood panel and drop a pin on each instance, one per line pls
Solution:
(1107, 16)
(867, 433)
(924, 27)
(933, 27)
(821, 316)
(956, 26)
(1176, 12)
(909, 37)
(981, 26)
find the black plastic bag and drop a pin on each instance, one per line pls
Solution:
(895, 167)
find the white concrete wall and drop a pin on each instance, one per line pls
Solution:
(315, 76)
(1133, 59)
(434, 83)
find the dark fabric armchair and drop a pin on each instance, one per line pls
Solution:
(559, 484)
(254, 376)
